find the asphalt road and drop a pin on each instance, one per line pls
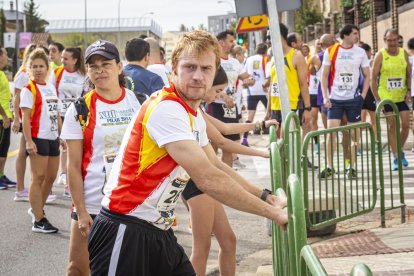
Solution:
(23, 252)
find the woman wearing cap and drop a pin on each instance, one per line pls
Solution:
(41, 125)
(208, 215)
(69, 81)
(93, 143)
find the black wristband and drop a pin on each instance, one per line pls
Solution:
(265, 194)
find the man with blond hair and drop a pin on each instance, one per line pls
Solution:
(166, 144)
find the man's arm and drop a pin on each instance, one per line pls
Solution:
(247, 79)
(324, 85)
(218, 184)
(375, 70)
(315, 65)
(365, 87)
(299, 63)
(408, 78)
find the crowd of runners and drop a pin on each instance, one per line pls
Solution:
(129, 139)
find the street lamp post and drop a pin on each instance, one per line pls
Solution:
(119, 24)
(17, 49)
(86, 27)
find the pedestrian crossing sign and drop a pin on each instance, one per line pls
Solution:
(252, 23)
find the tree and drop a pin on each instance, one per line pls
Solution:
(77, 39)
(34, 23)
(305, 16)
(183, 28)
(2, 26)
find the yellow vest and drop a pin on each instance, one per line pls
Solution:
(393, 74)
(292, 83)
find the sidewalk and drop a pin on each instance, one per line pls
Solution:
(398, 237)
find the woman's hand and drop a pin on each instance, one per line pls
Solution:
(31, 147)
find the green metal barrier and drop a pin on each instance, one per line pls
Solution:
(291, 254)
(361, 270)
(291, 138)
(340, 197)
(272, 134)
(389, 158)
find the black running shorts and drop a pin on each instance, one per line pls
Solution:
(125, 245)
(217, 111)
(191, 190)
(4, 140)
(47, 147)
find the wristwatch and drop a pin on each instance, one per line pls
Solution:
(265, 194)
(308, 108)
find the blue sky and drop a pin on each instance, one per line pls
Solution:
(169, 13)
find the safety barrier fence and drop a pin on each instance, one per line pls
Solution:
(344, 184)
(395, 182)
(291, 254)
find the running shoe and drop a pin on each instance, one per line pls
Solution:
(237, 164)
(395, 165)
(351, 173)
(62, 179)
(4, 179)
(23, 195)
(245, 142)
(310, 165)
(51, 197)
(328, 172)
(404, 161)
(31, 214)
(44, 226)
(3, 186)
(359, 152)
(66, 192)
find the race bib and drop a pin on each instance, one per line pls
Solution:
(108, 162)
(229, 112)
(51, 104)
(394, 83)
(168, 199)
(275, 90)
(346, 81)
(66, 103)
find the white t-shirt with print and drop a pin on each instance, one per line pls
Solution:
(255, 67)
(112, 119)
(50, 108)
(348, 64)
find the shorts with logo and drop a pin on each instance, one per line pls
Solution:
(46, 147)
(351, 108)
(125, 245)
(191, 190)
(5, 140)
(217, 111)
(252, 101)
(402, 106)
(369, 102)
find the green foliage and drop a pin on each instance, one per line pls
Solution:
(34, 23)
(347, 3)
(78, 39)
(2, 26)
(305, 16)
(366, 10)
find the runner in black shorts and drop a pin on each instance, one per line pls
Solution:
(217, 110)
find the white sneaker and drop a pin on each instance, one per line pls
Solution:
(62, 179)
(51, 198)
(23, 195)
(31, 214)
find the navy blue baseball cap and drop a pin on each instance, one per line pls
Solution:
(102, 48)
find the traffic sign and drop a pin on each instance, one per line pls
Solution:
(252, 23)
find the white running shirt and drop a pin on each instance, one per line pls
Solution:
(102, 139)
(255, 67)
(346, 71)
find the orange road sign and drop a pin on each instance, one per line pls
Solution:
(252, 23)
